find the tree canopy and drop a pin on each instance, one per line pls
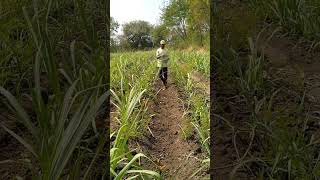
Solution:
(175, 17)
(114, 26)
(183, 23)
(159, 32)
(137, 34)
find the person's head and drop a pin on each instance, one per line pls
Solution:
(162, 44)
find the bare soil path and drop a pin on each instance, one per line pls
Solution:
(175, 156)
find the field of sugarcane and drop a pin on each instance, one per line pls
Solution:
(133, 75)
(268, 117)
(197, 97)
(131, 81)
(53, 89)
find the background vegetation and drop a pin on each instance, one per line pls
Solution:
(184, 23)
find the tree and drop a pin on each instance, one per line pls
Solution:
(137, 34)
(159, 32)
(199, 20)
(114, 26)
(175, 16)
(188, 21)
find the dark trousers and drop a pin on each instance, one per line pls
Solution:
(163, 74)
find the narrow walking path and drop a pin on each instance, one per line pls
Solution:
(174, 155)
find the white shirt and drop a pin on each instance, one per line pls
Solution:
(162, 57)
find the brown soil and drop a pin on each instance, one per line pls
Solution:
(14, 158)
(13, 155)
(294, 62)
(227, 143)
(175, 157)
(7, 120)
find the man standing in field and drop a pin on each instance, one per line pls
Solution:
(163, 58)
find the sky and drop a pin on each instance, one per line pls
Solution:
(128, 10)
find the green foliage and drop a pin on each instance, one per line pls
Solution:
(131, 92)
(59, 126)
(188, 22)
(283, 147)
(251, 81)
(184, 23)
(184, 63)
(15, 45)
(199, 22)
(125, 171)
(61, 45)
(129, 88)
(160, 32)
(231, 28)
(298, 17)
(288, 151)
(137, 34)
(114, 25)
(175, 17)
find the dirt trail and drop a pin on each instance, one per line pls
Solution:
(174, 155)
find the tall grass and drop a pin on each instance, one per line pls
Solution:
(197, 103)
(198, 61)
(298, 17)
(55, 136)
(281, 143)
(251, 81)
(68, 88)
(130, 81)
